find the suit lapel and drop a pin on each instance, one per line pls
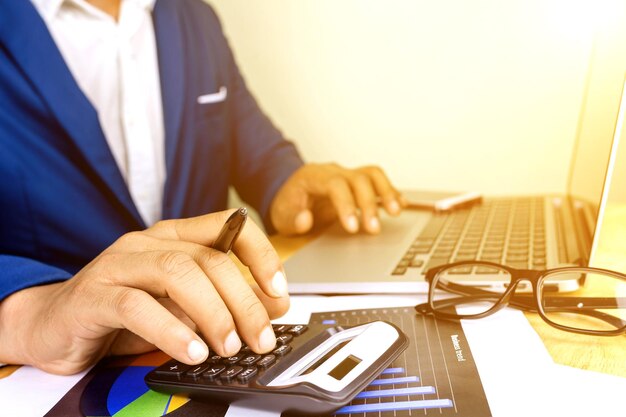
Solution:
(25, 35)
(169, 39)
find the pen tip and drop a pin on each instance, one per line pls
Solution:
(243, 211)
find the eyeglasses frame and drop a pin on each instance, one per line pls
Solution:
(535, 277)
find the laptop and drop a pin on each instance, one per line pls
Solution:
(538, 232)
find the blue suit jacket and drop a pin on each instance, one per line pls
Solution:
(62, 197)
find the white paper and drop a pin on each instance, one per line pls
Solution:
(512, 362)
(302, 306)
(29, 392)
(590, 393)
(517, 373)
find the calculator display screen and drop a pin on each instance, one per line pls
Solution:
(344, 367)
(324, 358)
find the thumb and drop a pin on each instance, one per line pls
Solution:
(290, 212)
(303, 221)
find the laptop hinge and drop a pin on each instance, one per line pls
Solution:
(568, 252)
(577, 230)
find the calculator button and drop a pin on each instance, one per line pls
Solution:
(284, 339)
(196, 371)
(215, 359)
(231, 372)
(232, 360)
(246, 374)
(280, 328)
(213, 371)
(266, 361)
(172, 368)
(250, 360)
(298, 330)
(282, 350)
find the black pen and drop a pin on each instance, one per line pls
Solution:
(231, 230)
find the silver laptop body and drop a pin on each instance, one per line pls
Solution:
(525, 232)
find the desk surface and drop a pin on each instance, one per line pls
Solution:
(602, 354)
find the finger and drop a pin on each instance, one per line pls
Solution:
(251, 318)
(128, 343)
(178, 312)
(367, 202)
(252, 246)
(340, 194)
(196, 262)
(248, 312)
(176, 275)
(140, 313)
(290, 213)
(201, 229)
(389, 196)
(258, 254)
(275, 307)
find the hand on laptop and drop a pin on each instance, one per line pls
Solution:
(319, 193)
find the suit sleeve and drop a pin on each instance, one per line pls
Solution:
(19, 273)
(262, 158)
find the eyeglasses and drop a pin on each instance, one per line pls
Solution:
(597, 309)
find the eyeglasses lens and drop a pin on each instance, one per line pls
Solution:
(598, 305)
(478, 291)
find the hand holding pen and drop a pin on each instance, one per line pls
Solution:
(160, 287)
(230, 231)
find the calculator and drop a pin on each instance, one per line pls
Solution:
(313, 369)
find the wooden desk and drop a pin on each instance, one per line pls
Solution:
(602, 354)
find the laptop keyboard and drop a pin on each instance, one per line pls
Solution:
(509, 231)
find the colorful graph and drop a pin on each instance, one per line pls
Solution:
(116, 388)
(435, 375)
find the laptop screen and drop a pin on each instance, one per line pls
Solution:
(596, 132)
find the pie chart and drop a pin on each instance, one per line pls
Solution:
(116, 388)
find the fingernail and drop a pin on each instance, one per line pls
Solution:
(279, 284)
(374, 224)
(353, 224)
(267, 340)
(394, 207)
(232, 344)
(304, 221)
(197, 351)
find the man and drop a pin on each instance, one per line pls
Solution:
(115, 115)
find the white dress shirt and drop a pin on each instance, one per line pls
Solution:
(115, 64)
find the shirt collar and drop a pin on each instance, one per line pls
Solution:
(49, 8)
(148, 4)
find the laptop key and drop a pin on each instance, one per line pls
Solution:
(433, 262)
(421, 249)
(442, 253)
(416, 263)
(399, 271)
(465, 270)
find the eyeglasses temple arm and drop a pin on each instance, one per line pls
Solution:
(575, 302)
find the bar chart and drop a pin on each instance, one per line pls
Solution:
(435, 375)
